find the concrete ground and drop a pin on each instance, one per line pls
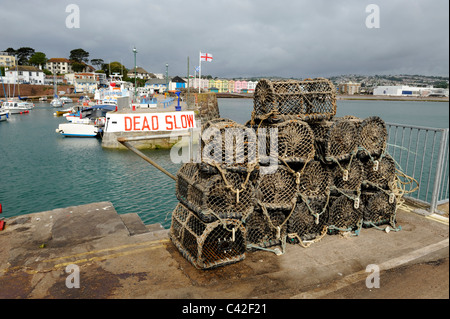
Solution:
(115, 256)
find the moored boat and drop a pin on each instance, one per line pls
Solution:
(4, 115)
(16, 106)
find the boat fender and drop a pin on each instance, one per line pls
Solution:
(1, 209)
(2, 225)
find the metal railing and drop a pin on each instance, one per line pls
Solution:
(423, 154)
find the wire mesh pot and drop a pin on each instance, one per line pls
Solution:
(309, 99)
(379, 173)
(265, 227)
(373, 136)
(278, 190)
(214, 196)
(347, 176)
(345, 214)
(294, 141)
(314, 179)
(207, 245)
(380, 208)
(308, 220)
(336, 140)
(229, 145)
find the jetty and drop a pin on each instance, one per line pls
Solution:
(117, 256)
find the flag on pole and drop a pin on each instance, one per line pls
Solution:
(206, 57)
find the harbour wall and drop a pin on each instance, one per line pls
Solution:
(32, 90)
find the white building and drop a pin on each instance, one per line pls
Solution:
(7, 60)
(24, 74)
(404, 90)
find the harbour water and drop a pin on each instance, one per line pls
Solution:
(41, 170)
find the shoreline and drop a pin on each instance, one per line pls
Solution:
(351, 97)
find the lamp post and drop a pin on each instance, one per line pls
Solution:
(135, 73)
(167, 77)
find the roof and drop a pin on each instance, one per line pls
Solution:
(177, 79)
(26, 68)
(59, 60)
(138, 70)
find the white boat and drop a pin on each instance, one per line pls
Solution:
(16, 106)
(66, 99)
(4, 115)
(89, 124)
(56, 102)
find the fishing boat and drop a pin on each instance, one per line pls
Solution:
(4, 115)
(89, 123)
(16, 106)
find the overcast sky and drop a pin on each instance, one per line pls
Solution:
(294, 38)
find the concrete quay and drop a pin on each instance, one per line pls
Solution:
(118, 257)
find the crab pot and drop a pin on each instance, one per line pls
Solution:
(345, 214)
(379, 173)
(266, 229)
(314, 179)
(278, 190)
(309, 99)
(294, 142)
(207, 245)
(336, 140)
(379, 207)
(373, 136)
(347, 176)
(308, 219)
(210, 196)
(229, 145)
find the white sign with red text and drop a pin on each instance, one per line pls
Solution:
(150, 122)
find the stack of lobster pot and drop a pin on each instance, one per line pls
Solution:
(337, 143)
(215, 197)
(292, 199)
(378, 188)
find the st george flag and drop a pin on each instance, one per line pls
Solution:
(206, 57)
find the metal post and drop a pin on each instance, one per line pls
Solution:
(135, 74)
(167, 77)
(438, 177)
(187, 76)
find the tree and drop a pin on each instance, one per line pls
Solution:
(78, 67)
(23, 54)
(79, 55)
(97, 62)
(39, 58)
(115, 67)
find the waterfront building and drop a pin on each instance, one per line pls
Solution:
(177, 83)
(7, 60)
(64, 66)
(157, 85)
(239, 86)
(350, 88)
(231, 86)
(404, 90)
(140, 73)
(85, 82)
(24, 74)
(251, 86)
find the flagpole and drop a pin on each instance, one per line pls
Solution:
(200, 70)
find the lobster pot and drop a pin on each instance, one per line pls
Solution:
(207, 245)
(309, 99)
(308, 219)
(345, 214)
(336, 140)
(314, 179)
(379, 207)
(347, 176)
(229, 145)
(210, 196)
(266, 227)
(294, 141)
(278, 190)
(373, 136)
(379, 173)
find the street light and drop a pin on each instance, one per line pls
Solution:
(135, 73)
(167, 77)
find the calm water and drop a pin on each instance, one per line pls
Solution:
(41, 170)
